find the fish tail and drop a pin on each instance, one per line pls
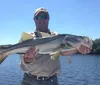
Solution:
(55, 55)
(2, 57)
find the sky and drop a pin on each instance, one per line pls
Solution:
(79, 17)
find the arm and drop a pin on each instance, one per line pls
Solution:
(68, 52)
(81, 49)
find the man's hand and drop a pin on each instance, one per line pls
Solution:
(30, 54)
(84, 49)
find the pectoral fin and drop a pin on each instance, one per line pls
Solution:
(55, 55)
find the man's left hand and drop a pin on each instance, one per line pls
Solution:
(83, 49)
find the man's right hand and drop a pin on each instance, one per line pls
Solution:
(30, 54)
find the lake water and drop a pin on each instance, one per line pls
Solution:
(84, 70)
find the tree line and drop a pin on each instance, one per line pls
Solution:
(96, 46)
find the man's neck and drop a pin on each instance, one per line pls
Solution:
(42, 30)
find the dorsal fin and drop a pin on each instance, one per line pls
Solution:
(26, 36)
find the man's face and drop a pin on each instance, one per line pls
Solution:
(41, 21)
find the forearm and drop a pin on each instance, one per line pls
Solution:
(68, 52)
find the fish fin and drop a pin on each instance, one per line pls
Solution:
(26, 36)
(69, 59)
(55, 55)
(2, 57)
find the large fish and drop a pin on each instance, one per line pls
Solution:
(50, 44)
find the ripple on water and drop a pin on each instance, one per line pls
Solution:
(84, 70)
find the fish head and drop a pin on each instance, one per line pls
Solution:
(88, 42)
(73, 41)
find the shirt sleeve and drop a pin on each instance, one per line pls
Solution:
(54, 33)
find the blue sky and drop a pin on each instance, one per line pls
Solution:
(79, 17)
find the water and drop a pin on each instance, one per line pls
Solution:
(84, 70)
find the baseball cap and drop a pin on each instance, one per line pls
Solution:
(41, 9)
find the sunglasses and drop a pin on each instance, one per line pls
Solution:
(41, 17)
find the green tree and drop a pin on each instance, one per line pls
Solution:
(96, 46)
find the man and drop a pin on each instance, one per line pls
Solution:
(40, 69)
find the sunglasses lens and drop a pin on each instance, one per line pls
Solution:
(41, 17)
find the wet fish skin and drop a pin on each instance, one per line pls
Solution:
(46, 45)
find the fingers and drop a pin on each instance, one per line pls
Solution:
(36, 52)
(31, 53)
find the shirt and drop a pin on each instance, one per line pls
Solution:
(43, 65)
